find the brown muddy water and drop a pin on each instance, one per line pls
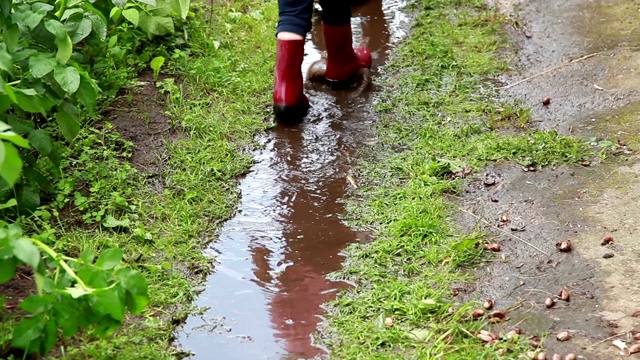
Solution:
(264, 300)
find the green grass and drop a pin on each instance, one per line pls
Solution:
(218, 100)
(440, 110)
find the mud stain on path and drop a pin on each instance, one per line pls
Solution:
(597, 98)
(264, 299)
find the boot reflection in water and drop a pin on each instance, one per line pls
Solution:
(343, 63)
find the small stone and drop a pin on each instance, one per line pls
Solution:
(607, 255)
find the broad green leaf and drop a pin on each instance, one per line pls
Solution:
(14, 138)
(108, 301)
(7, 269)
(156, 25)
(112, 222)
(27, 331)
(149, 2)
(115, 13)
(67, 13)
(10, 163)
(37, 303)
(98, 24)
(87, 93)
(181, 7)
(132, 15)
(41, 65)
(156, 64)
(8, 204)
(84, 29)
(25, 250)
(63, 41)
(68, 78)
(28, 196)
(8, 90)
(109, 259)
(5, 8)
(76, 291)
(66, 314)
(66, 117)
(6, 62)
(87, 256)
(30, 15)
(11, 37)
(41, 8)
(119, 3)
(50, 336)
(41, 141)
(133, 282)
(28, 100)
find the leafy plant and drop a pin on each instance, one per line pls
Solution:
(79, 293)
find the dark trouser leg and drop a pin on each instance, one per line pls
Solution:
(295, 16)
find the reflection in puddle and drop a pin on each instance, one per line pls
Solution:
(264, 300)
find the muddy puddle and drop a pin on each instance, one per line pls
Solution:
(264, 299)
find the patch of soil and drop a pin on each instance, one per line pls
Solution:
(15, 290)
(527, 213)
(139, 115)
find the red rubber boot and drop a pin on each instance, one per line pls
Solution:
(290, 104)
(343, 61)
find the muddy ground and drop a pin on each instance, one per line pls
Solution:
(597, 96)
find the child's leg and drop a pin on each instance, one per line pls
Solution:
(289, 102)
(343, 61)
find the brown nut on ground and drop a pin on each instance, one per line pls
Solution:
(500, 314)
(488, 304)
(495, 247)
(477, 313)
(563, 336)
(549, 302)
(564, 294)
(534, 341)
(570, 356)
(564, 246)
(541, 356)
(606, 240)
(546, 101)
(556, 357)
(635, 348)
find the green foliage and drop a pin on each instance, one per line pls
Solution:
(73, 294)
(47, 86)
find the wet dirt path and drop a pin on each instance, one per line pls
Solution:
(598, 98)
(264, 299)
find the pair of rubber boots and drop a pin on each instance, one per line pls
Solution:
(290, 104)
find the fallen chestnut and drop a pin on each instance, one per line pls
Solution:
(556, 357)
(606, 240)
(495, 247)
(541, 356)
(546, 101)
(534, 341)
(549, 302)
(637, 336)
(488, 304)
(564, 294)
(635, 348)
(563, 336)
(564, 246)
(388, 321)
(484, 337)
(477, 313)
(500, 314)
(570, 356)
